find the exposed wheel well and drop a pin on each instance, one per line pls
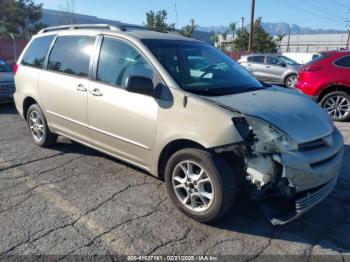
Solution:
(170, 149)
(332, 89)
(28, 101)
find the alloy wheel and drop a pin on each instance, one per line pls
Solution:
(291, 81)
(36, 125)
(337, 106)
(192, 186)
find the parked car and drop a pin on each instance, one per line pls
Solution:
(207, 130)
(301, 58)
(275, 69)
(7, 86)
(327, 80)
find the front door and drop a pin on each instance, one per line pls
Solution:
(122, 123)
(274, 70)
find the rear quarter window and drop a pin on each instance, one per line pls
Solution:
(36, 53)
(71, 55)
(343, 62)
(256, 59)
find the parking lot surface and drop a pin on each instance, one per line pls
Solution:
(72, 200)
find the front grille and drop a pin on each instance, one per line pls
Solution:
(312, 145)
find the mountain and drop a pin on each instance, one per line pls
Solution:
(278, 28)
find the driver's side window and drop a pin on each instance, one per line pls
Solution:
(119, 60)
(272, 60)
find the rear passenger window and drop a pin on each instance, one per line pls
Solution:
(344, 61)
(256, 59)
(71, 55)
(36, 53)
(118, 60)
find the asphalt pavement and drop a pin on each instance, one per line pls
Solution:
(72, 200)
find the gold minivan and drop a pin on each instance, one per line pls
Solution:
(184, 112)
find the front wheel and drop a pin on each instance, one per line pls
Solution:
(337, 104)
(200, 184)
(291, 81)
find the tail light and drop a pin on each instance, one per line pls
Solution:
(312, 68)
(15, 68)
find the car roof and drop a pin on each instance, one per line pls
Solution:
(126, 29)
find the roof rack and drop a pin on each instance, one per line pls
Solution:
(82, 26)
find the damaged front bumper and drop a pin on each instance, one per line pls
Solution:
(280, 212)
(313, 172)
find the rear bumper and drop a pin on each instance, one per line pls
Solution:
(6, 97)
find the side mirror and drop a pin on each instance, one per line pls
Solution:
(140, 85)
(282, 64)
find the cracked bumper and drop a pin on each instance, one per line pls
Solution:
(305, 202)
(309, 169)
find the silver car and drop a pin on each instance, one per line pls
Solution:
(184, 112)
(7, 86)
(275, 69)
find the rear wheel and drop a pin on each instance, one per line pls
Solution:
(38, 128)
(200, 184)
(291, 81)
(337, 104)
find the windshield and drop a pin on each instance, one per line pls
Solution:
(288, 60)
(202, 69)
(4, 68)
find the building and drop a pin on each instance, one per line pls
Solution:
(313, 43)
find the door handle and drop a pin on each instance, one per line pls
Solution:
(267, 66)
(81, 87)
(96, 92)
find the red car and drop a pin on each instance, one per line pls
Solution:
(327, 80)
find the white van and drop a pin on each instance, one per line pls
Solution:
(302, 58)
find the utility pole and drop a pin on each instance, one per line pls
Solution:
(250, 44)
(347, 42)
(288, 39)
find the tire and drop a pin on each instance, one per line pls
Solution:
(291, 81)
(38, 128)
(337, 104)
(221, 185)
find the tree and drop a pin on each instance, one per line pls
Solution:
(68, 12)
(21, 17)
(279, 39)
(157, 21)
(263, 42)
(232, 28)
(214, 37)
(188, 30)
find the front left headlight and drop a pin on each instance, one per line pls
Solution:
(269, 139)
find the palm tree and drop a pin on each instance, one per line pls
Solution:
(232, 27)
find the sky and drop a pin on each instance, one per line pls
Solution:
(324, 14)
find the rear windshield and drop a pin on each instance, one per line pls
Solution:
(202, 69)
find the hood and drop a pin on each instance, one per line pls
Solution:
(6, 77)
(288, 110)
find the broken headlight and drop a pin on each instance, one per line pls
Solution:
(268, 139)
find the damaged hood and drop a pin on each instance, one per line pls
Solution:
(293, 113)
